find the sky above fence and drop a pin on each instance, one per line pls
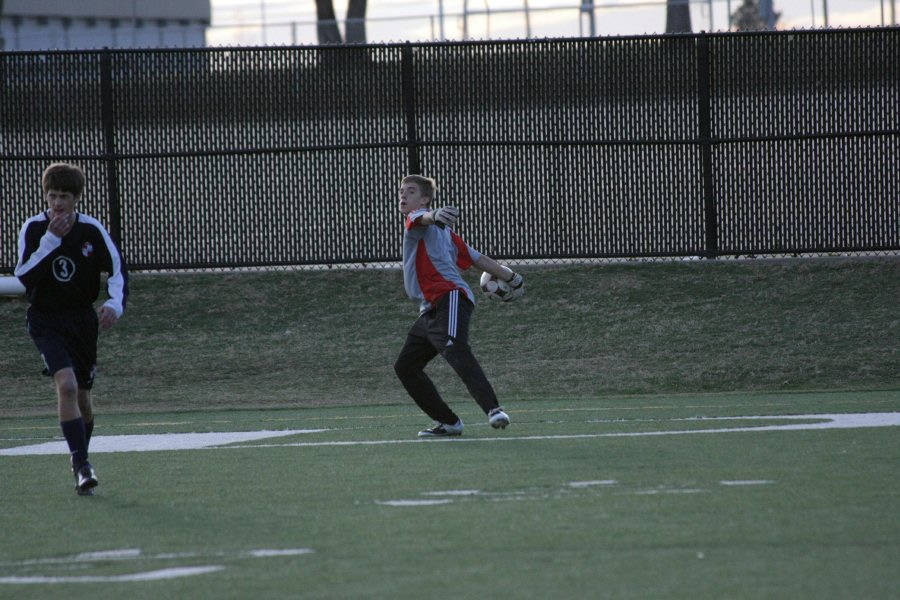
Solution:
(240, 22)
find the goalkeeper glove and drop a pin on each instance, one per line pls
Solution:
(447, 215)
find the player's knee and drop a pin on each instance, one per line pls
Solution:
(457, 352)
(403, 370)
(66, 386)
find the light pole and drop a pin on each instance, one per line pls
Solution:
(587, 9)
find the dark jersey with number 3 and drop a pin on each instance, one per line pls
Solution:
(62, 275)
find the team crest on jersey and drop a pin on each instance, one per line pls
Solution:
(63, 269)
(87, 249)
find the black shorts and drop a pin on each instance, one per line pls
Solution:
(66, 340)
(445, 324)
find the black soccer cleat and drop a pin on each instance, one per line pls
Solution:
(443, 430)
(85, 480)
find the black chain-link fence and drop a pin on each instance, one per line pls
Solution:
(694, 145)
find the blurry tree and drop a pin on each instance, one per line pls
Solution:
(356, 21)
(678, 16)
(328, 31)
(749, 17)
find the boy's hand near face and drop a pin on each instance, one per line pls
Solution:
(61, 224)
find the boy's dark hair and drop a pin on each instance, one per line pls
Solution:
(427, 185)
(64, 177)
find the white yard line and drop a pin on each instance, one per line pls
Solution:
(826, 421)
(155, 442)
(239, 439)
(135, 555)
(142, 576)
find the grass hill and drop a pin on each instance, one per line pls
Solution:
(320, 338)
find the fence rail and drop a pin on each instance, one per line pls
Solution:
(691, 145)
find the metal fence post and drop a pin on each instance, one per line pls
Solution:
(409, 108)
(109, 147)
(709, 200)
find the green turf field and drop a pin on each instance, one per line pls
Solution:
(629, 497)
(623, 474)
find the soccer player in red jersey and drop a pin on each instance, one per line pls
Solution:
(433, 255)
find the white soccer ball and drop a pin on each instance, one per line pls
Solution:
(495, 289)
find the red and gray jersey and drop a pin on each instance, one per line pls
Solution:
(432, 259)
(63, 274)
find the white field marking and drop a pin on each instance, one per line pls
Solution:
(112, 555)
(144, 576)
(412, 502)
(586, 484)
(563, 492)
(747, 482)
(288, 552)
(155, 442)
(194, 441)
(667, 491)
(133, 554)
(826, 421)
(124, 554)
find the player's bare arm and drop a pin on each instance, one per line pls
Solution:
(489, 265)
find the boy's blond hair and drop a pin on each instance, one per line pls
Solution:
(427, 185)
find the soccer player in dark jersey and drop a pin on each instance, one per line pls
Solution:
(61, 255)
(433, 255)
